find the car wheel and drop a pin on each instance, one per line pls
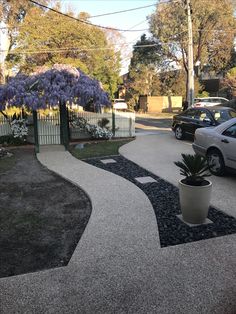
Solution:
(216, 162)
(179, 133)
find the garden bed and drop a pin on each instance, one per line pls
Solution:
(97, 148)
(164, 198)
(42, 216)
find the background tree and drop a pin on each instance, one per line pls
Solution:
(143, 69)
(213, 32)
(13, 12)
(229, 82)
(47, 38)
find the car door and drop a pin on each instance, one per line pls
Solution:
(204, 118)
(189, 121)
(228, 145)
(201, 119)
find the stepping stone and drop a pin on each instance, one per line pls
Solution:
(108, 161)
(144, 180)
(206, 222)
(79, 146)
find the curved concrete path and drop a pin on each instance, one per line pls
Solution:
(118, 266)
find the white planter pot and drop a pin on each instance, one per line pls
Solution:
(194, 202)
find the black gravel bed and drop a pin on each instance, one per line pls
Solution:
(165, 201)
(42, 217)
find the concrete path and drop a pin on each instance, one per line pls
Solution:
(118, 265)
(157, 154)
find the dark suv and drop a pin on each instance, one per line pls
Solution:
(187, 122)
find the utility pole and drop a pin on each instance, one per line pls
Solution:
(3, 48)
(190, 57)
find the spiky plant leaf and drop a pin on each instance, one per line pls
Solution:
(193, 167)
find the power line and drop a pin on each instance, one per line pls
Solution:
(86, 22)
(228, 30)
(74, 49)
(123, 11)
(61, 50)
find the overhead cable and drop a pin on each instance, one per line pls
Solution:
(123, 11)
(86, 22)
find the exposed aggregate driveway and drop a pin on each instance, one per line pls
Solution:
(157, 154)
(118, 265)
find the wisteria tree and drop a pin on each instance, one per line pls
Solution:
(62, 84)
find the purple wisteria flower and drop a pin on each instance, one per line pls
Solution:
(48, 87)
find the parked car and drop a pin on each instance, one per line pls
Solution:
(218, 144)
(185, 123)
(120, 104)
(209, 101)
(231, 103)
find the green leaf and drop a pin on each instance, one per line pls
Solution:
(193, 167)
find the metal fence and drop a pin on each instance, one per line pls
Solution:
(5, 128)
(124, 123)
(49, 129)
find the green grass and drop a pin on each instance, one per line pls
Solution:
(7, 163)
(98, 149)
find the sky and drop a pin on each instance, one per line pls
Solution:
(134, 20)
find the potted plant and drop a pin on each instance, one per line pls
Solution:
(194, 189)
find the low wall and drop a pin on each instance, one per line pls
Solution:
(158, 104)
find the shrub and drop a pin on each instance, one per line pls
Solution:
(103, 123)
(19, 128)
(95, 131)
(8, 140)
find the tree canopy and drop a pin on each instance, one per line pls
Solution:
(49, 87)
(47, 38)
(213, 31)
(143, 68)
(13, 12)
(230, 81)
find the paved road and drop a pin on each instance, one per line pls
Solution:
(157, 154)
(146, 124)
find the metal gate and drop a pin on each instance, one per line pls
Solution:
(49, 130)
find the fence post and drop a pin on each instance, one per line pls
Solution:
(130, 126)
(113, 122)
(36, 135)
(64, 125)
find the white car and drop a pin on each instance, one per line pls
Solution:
(120, 104)
(209, 101)
(218, 144)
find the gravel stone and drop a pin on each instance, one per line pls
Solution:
(165, 201)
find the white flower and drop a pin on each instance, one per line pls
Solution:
(94, 130)
(19, 128)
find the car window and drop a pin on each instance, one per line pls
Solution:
(231, 131)
(202, 115)
(232, 113)
(190, 113)
(222, 101)
(211, 100)
(222, 115)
